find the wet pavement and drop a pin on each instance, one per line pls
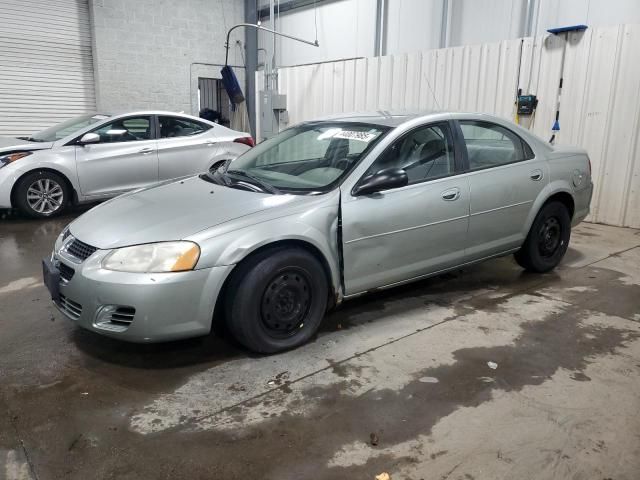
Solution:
(484, 373)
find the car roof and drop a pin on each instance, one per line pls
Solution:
(387, 118)
(123, 113)
(396, 118)
(148, 112)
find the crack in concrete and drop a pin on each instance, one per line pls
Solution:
(23, 447)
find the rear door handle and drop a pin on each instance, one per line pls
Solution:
(145, 150)
(536, 175)
(451, 194)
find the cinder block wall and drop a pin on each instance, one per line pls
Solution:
(150, 53)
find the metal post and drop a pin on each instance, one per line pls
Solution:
(381, 33)
(444, 26)
(272, 83)
(528, 18)
(251, 59)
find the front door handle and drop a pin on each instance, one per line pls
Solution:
(536, 175)
(451, 194)
(146, 150)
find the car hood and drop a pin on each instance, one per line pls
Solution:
(12, 144)
(171, 211)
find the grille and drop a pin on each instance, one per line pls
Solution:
(123, 315)
(66, 272)
(80, 249)
(71, 308)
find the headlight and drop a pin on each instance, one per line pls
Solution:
(12, 157)
(154, 258)
(65, 233)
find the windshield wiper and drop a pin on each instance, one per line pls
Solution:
(261, 183)
(214, 177)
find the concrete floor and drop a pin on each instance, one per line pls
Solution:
(409, 367)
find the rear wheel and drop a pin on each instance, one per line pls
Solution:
(548, 239)
(276, 300)
(41, 194)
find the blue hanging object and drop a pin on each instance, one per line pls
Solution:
(556, 126)
(231, 85)
(570, 28)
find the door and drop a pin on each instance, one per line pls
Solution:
(46, 64)
(124, 159)
(505, 178)
(185, 146)
(403, 233)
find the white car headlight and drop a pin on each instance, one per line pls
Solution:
(154, 258)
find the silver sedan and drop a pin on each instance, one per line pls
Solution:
(96, 156)
(324, 211)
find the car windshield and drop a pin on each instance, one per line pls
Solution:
(308, 158)
(66, 128)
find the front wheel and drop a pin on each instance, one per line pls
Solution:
(276, 299)
(548, 239)
(41, 194)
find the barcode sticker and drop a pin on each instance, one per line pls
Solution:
(351, 135)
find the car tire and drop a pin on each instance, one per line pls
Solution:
(276, 299)
(41, 194)
(548, 239)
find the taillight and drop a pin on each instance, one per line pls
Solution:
(246, 140)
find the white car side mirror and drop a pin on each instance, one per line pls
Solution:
(89, 138)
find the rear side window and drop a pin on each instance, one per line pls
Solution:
(171, 127)
(491, 145)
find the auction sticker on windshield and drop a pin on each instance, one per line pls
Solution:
(351, 135)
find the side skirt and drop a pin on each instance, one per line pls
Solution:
(431, 274)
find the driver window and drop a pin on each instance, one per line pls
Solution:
(125, 130)
(426, 153)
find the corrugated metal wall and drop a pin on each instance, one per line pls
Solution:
(46, 64)
(600, 103)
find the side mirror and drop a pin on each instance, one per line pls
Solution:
(383, 180)
(88, 138)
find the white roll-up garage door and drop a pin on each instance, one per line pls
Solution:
(46, 65)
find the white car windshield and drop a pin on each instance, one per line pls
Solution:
(66, 128)
(306, 158)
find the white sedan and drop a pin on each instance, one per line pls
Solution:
(99, 156)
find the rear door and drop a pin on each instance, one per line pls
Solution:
(403, 233)
(126, 157)
(185, 146)
(505, 178)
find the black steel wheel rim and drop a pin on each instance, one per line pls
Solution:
(286, 302)
(549, 237)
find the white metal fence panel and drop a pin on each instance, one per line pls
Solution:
(599, 103)
(46, 65)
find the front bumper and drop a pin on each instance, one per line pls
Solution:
(138, 307)
(8, 177)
